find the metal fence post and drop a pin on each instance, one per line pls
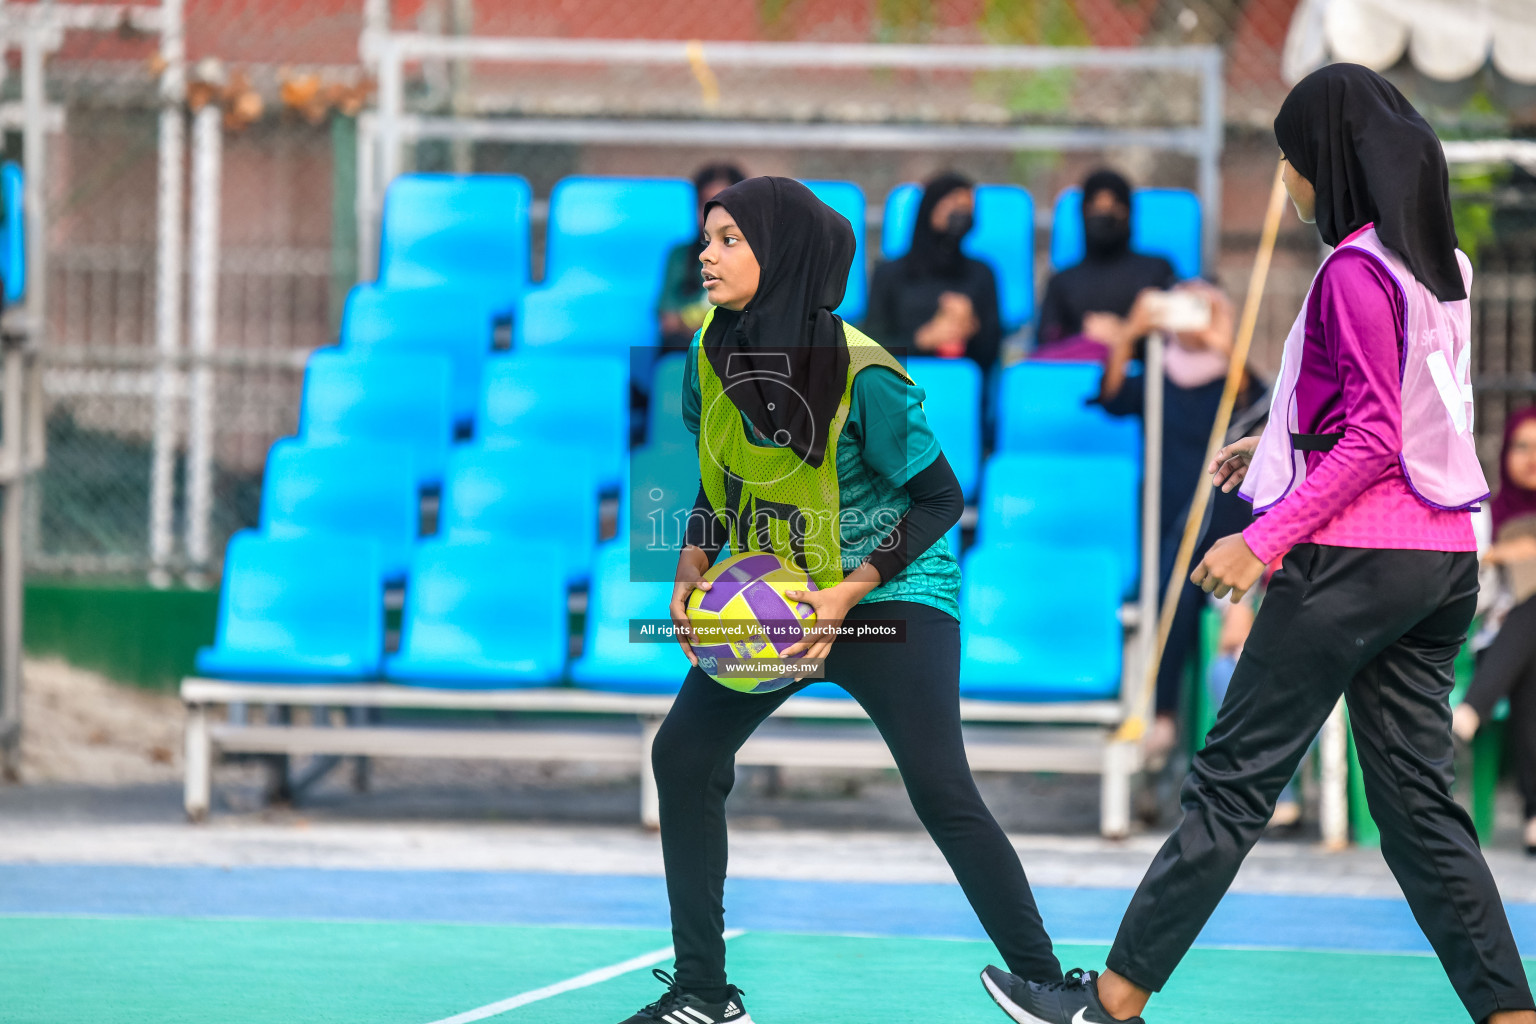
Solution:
(168, 270)
(1151, 512)
(12, 416)
(202, 318)
(391, 107)
(15, 444)
(365, 205)
(344, 192)
(376, 25)
(1334, 750)
(1212, 130)
(650, 796)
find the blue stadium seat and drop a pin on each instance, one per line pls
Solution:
(540, 494)
(1062, 501)
(848, 199)
(469, 231)
(607, 248)
(660, 485)
(357, 488)
(953, 409)
(379, 396)
(665, 426)
(577, 400)
(583, 312)
(298, 608)
(1040, 623)
(609, 660)
(444, 321)
(1003, 239)
(1042, 407)
(661, 482)
(13, 234)
(618, 229)
(1164, 222)
(487, 614)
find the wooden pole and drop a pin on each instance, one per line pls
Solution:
(1136, 725)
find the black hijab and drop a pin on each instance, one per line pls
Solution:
(936, 253)
(1372, 158)
(805, 249)
(1111, 273)
(1106, 236)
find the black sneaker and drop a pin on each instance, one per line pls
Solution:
(1072, 1001)
(678, 1007)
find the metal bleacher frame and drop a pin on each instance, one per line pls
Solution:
(1005, 736)
(993, 745)
(1072, 737)
(35, 32)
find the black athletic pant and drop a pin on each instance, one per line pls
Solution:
(1507, 668)
(911, 690)
(1382, 628)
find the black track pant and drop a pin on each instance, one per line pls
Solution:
(1507, 668)
(911, 690)
(1382, 628)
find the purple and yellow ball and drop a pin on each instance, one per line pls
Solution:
(748, 599)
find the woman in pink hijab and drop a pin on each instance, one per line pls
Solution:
(1506, 666)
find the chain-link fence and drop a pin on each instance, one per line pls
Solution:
(91, 506)
(291, 80)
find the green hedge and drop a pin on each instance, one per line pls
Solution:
(130, 633)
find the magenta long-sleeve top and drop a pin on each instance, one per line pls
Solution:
(1351, 382)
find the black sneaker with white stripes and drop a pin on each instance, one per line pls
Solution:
(678, 1007)
(1074, 1000)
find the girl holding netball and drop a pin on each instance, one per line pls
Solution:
(1365, 476)
(813, 444)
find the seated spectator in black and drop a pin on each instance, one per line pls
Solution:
(935, 300)
(1107, 280)
(1506, 644)
(683, 301)
(1195, 366)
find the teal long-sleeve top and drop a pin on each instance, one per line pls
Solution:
(885, 441)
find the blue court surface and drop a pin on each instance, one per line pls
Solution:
(284, 945)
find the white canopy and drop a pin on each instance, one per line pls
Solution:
(1446, 40)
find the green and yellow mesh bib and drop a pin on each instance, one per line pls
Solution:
(765, 495)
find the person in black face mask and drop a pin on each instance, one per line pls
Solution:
(1107, 281)
(935, 300)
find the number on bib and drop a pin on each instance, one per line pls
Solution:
(1455, 388)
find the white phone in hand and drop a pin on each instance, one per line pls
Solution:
(1180, 310)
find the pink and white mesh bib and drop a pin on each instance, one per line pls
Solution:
(1438, 456)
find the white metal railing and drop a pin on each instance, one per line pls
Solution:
(1493, 151)
(382, 135)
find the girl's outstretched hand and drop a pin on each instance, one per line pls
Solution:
(1230, 465)
(691, 564)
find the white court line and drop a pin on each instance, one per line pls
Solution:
(593, 977)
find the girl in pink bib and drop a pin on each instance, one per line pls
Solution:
(1364, 478)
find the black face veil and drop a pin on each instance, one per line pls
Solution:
(1106, 237)
(788, 335)
(1373, 159)
(935, 253)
